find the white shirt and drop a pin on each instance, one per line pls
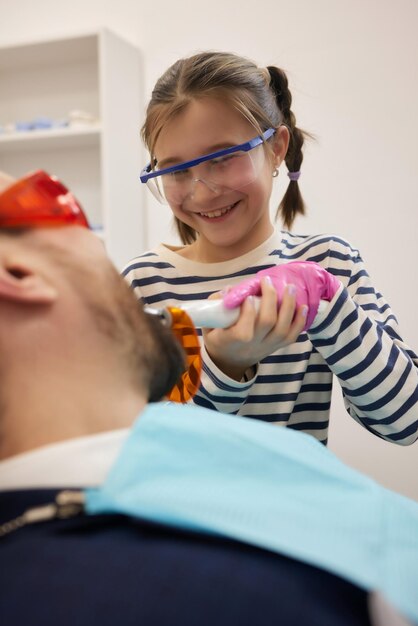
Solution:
(80, 462)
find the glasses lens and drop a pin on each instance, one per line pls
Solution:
(233, 171)
(230, 172)
(185, 332)
(155, 187)
(39, 200)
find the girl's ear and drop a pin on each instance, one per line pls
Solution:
(18, 283)
(280, 144)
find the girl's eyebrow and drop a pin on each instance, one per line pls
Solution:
(178, 160)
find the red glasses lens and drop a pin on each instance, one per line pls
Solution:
(39, 199)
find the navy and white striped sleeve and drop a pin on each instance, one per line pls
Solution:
(358, 336)
(219, 392)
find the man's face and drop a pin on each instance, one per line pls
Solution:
(73, 261)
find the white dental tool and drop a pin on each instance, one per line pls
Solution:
(213, 313)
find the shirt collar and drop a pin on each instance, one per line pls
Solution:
(80, 462)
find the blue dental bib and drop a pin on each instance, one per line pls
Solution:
(267, 486)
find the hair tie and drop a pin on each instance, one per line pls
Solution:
(294, 175)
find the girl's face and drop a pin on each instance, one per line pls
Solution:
(230, 222)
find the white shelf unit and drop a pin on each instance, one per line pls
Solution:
(95, 72)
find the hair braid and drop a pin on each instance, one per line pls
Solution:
(292, 202)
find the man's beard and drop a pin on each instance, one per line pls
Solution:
(152, 354)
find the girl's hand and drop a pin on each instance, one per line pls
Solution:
(256, 334)
(312, 283)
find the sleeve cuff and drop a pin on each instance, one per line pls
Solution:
(222, 380)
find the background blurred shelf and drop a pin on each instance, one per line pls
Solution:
(56, 138)
(99, 73)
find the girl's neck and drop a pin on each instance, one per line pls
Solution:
(203, 251)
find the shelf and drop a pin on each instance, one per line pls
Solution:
(58, 138)
(44, 53)
(99, 73)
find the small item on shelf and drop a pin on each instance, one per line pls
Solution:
(22, 127)
(38, 123)
(82, 119)
(42, 123)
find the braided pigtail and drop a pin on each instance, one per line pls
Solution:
(292, 203)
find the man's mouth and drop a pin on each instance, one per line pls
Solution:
(218, 212)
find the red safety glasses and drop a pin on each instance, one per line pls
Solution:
(39, 200)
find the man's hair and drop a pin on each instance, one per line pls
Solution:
(152, 353)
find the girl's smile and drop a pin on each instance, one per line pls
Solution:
(218, 214)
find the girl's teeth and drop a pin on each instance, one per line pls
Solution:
(217, 213)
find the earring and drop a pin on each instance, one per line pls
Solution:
(275, 173)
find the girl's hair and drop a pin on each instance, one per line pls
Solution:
(261, 95)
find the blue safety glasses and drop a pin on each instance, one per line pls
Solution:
(228, 169)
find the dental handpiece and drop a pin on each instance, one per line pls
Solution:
(213, 313)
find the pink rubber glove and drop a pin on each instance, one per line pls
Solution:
(312, 282)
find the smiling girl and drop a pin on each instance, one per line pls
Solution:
(218, 128)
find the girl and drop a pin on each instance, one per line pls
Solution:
(218, 128)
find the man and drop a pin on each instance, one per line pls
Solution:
(79, 362)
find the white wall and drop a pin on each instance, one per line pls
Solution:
(352, 66)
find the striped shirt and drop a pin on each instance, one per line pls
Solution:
(356, 339)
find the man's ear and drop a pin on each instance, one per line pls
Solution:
(18, 283)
